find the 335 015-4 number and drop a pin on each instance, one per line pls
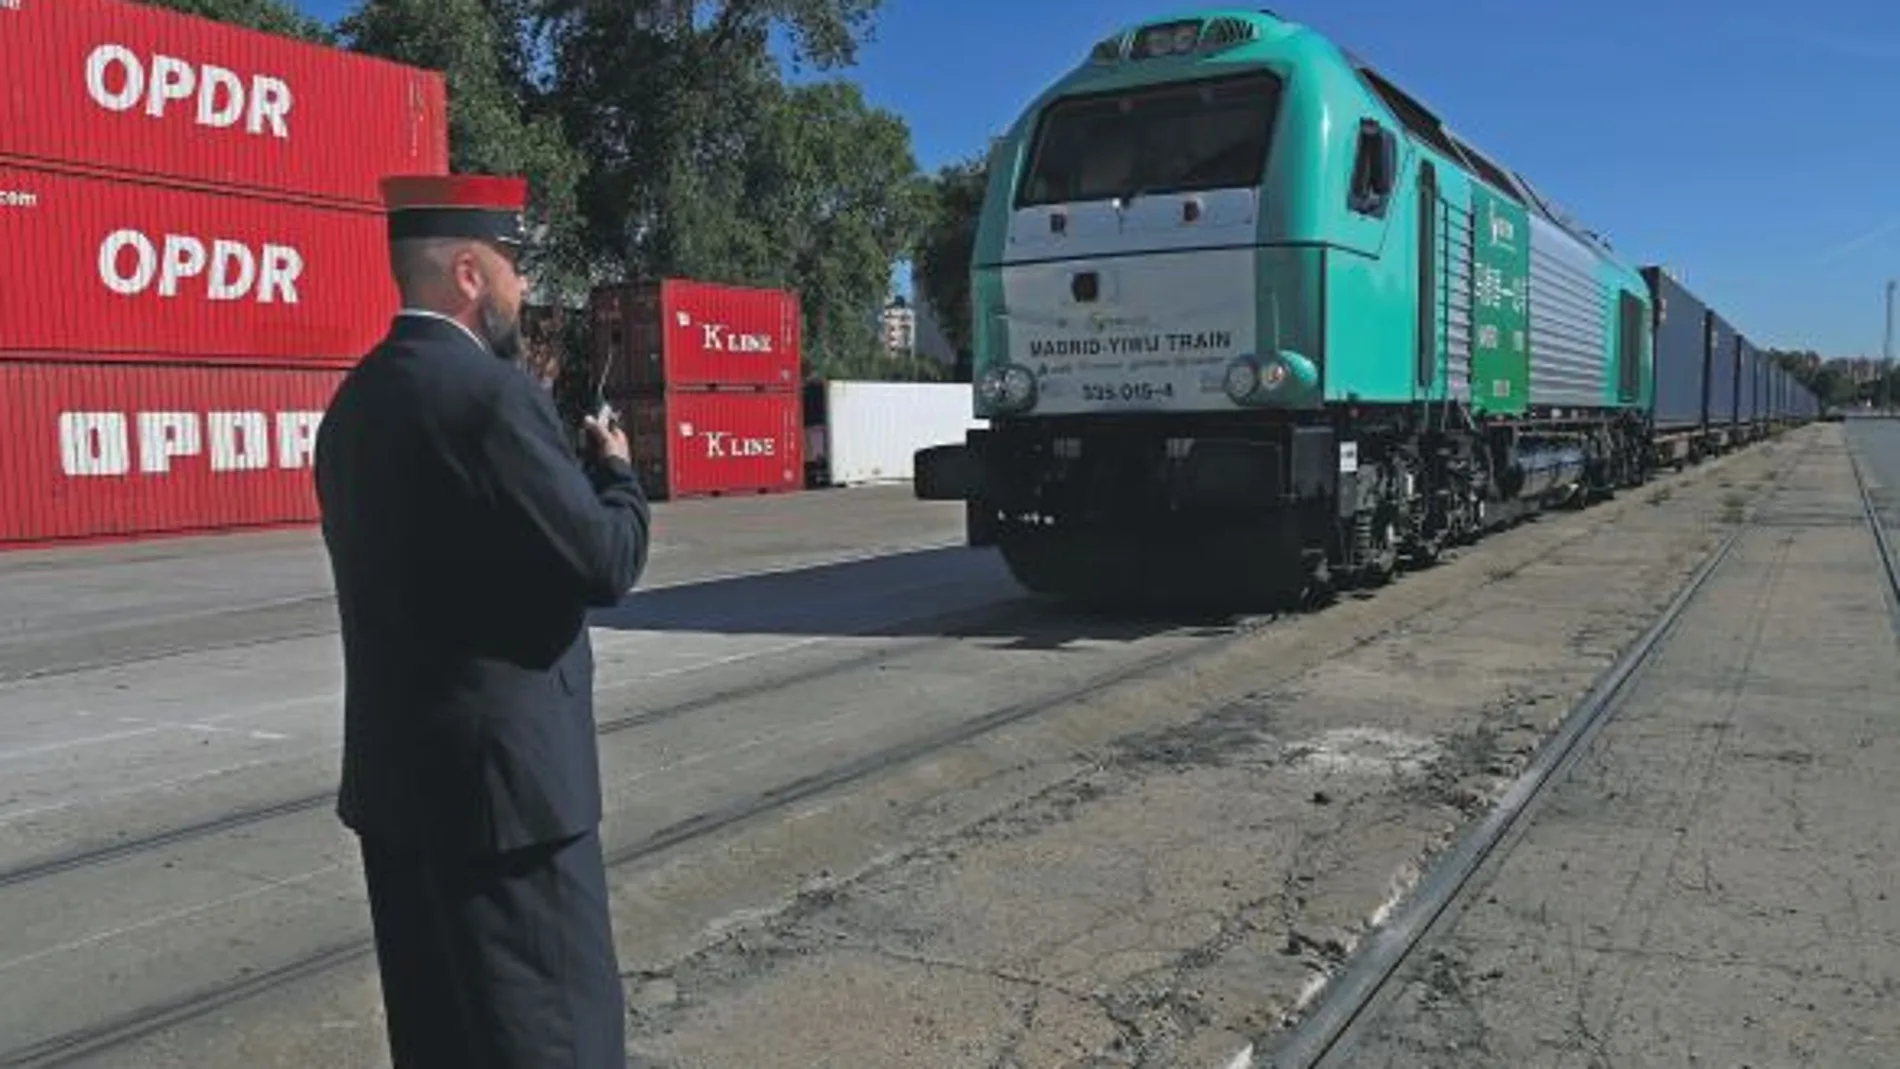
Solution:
(1127, 391)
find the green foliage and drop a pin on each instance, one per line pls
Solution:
(848, 187)
(1840, 382)
(947, 244)
(498, 121)
(661, 138)
(704, 163)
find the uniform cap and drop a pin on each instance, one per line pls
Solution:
(488, 207)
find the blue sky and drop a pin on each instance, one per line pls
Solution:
(1753, 147)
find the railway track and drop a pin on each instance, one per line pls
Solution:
(957, 626)
(1327, 1033)
(77, 1044)
(1883, 541)
(105, 1035)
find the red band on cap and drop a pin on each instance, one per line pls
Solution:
(495, 192)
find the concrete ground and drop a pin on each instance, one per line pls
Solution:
(872, 812)
(150, 687)
(1718, 881)
(64, 609)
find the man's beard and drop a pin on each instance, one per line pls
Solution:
(502, 334)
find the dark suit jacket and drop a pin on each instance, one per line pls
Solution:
(467, 541)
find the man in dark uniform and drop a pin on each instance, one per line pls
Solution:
(467, 538)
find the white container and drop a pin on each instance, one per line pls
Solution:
(874, 429)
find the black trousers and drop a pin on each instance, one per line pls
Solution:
(502, 962)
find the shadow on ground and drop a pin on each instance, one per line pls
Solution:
(923, 593)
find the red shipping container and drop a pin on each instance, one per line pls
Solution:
(707, 444)
(678, 334)
(136, 88)
(99, 450)
(97, 265)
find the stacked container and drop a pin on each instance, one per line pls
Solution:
(707, 378)
(196, 254)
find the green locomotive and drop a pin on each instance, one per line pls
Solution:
(1249, 320)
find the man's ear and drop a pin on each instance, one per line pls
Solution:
(470, 280)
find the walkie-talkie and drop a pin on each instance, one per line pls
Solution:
(597, 401)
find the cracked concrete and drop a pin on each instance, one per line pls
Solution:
(1178, 896)
(1718, 881)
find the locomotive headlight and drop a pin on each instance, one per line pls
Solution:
(1008, 388)
(1273, 375)
(1282, 378)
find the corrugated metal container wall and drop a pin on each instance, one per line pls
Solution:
(97, 265)
(135, 88)
(872, 429)
(623, 333)
(681, 334)
(1765, 385)
(705, 444)
(1764, 378)
(1751, 382)
(1722, 364)
(121, 449)
(1681, 352)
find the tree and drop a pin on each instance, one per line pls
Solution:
(270, 16)
(499, 121)
(948, 242)
(666, 99)
(704, 163)
(845, 203)
(660, 138)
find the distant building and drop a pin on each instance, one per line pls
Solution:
(1861, 369)
(930, 340)
(899, 322)
(932, 343)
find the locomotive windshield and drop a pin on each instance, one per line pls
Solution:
(1177, 138)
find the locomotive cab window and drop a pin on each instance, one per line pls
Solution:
(1180, 138)
(1374, 169)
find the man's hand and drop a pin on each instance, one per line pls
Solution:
(608, 439)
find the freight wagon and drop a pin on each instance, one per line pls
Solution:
(1715, 389)
(1251, 322)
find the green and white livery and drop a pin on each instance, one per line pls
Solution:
(1249, 320)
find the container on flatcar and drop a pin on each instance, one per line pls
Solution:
(1724, 390)
(135, 89)
(1748, 382)
(1682, 354)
